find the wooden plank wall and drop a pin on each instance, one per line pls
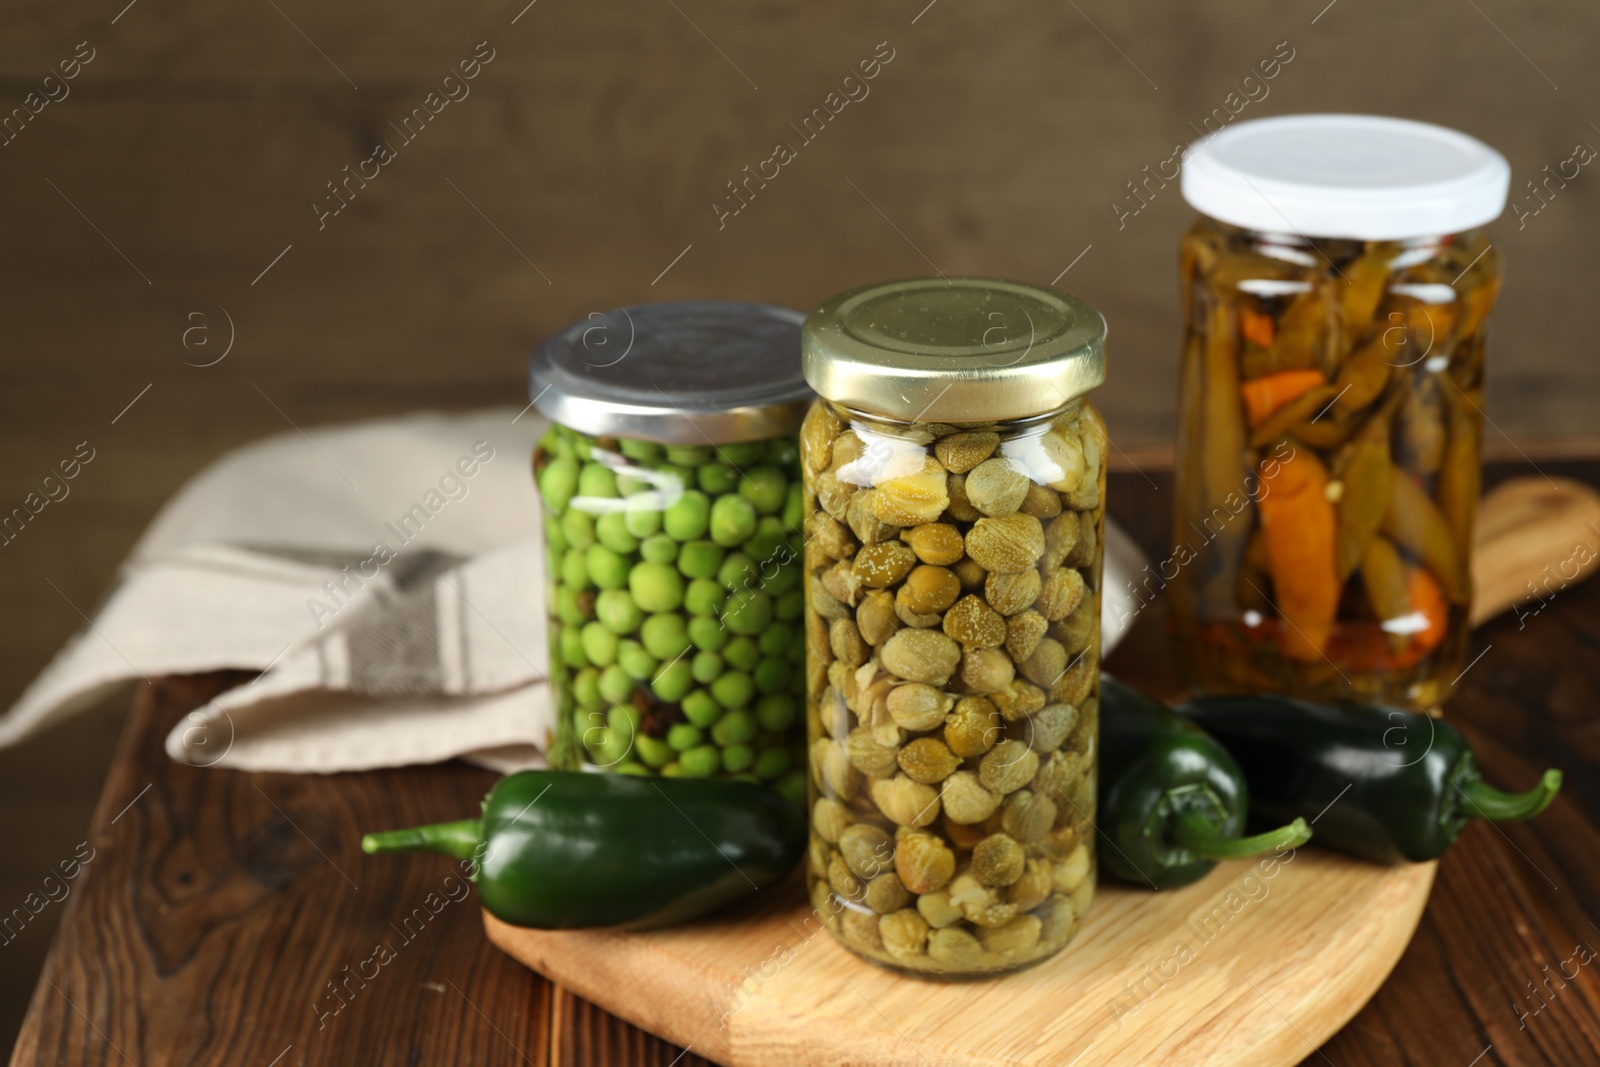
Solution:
(184, 159)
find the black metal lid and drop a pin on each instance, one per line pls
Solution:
(684, 372)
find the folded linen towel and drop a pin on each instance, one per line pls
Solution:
(384, 578)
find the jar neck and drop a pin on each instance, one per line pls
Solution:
(882, 424)
(1311, 251)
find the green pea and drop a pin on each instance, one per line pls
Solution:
(700, 762)
(743, 653)
(607, 569)
(665, 636)
(766, 488)
(569, 606)
(766, 543)
(658, 548)
(614, 747)
(630, 767)
(707, 634)
(615, 685)
(785, 577)
(575, 570)
(675, 770)
(558, 482)
(555, 538)
(596, 479)
(771, 762)
(700, 559)
(560, 444)
(701, 708)
(623, 719)
(673, 682)
(772, 675)
(611, 529)
(599, 644)
(776, 711)
(688, 455)
(591, 720)
(794, 508)
(783, 453)
(737, 572)
(735, 728)
(572, 648)
(579, 528)
(688, 517)
(644, 451)
(747, 612)
(653, 751)
(704, 597)
(793, 786)
(733, 519)
(736, 758)
(642, 519)
(705, 667)
(586, 686)
(656, 587)
(775, 639)
(682, 736)
(640, 665)
(582, 447)
(790, 605)
(617, 612)
(733, 690)
(717, 478)
(743, 452)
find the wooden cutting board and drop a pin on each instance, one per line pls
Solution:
(1255, 964)
(1247, 966)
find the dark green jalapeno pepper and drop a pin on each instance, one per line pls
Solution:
(562, 849)
(1172, 801)
(1380, 783)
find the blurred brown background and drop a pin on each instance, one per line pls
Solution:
(180, 169)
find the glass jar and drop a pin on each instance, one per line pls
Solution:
(954, 494)
(670, 482)
(1336, 291)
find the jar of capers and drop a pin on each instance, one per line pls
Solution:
(954, 501)
(672, 526)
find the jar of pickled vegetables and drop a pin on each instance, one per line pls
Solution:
(1337, 291)
(672, 515)
(954, 500)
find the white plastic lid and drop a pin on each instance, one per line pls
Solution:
(1365, 177)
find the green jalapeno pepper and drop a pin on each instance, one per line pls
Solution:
(1380, 783)
(1172, 801)
(562, 849)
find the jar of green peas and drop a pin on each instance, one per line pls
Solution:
(670, 484)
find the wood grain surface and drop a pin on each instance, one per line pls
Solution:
(216, 907)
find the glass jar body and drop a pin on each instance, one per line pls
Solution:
(672, 584)
(1330, 423)
(952, 577)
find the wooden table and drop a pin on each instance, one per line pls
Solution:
(219, 906)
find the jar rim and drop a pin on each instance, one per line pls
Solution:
(685, 372)
(1360, 177)
(954, 350)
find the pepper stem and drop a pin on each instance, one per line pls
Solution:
(1199, 835)
(458, 839)
(1486, 802)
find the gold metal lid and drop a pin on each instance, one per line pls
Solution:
(953, 350)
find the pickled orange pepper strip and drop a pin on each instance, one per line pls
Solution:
(1263, 396)
(1427, 599)
(1298, 523)
(1256, 327)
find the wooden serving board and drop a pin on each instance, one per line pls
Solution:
(1251, 965)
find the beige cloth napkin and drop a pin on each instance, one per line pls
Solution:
(385, 580)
